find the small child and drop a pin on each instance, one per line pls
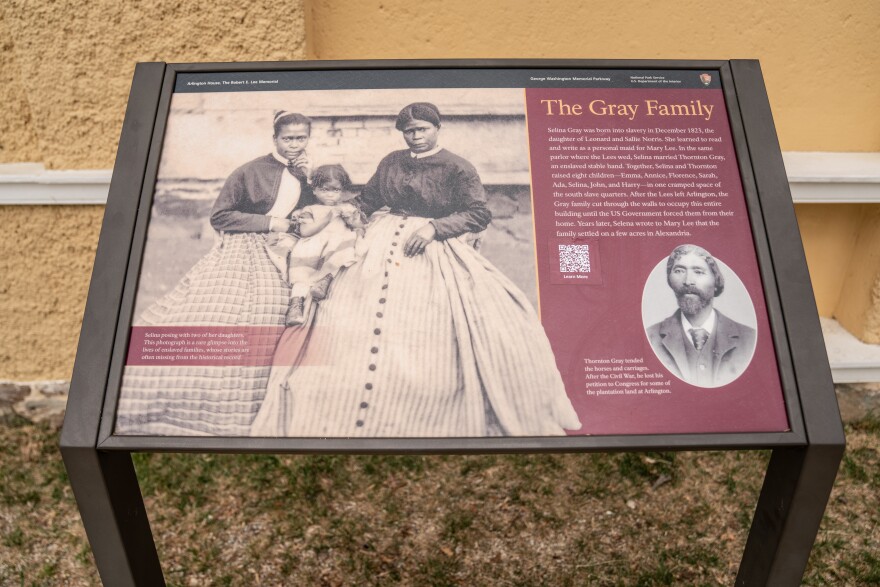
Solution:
(328, 232)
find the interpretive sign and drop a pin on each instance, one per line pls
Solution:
(609, 203)
(452, 257)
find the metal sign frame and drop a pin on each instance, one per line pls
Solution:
(805, 459)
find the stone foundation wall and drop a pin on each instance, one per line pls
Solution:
(36, 401)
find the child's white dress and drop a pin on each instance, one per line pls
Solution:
(314, 257)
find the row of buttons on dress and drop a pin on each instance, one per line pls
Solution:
(380, 314)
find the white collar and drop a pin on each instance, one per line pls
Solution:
(433, 151)
(280, 159)
(708, 325)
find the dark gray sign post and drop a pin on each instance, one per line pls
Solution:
(805, 456)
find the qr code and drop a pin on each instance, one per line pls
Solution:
(574, 258)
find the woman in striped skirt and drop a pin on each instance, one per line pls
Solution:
(237, 284)
(423, 337)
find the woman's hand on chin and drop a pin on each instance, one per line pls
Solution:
(303, 164)
(416, 243)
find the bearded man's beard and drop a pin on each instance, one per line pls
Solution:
(691, 300)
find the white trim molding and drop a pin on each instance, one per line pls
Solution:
(32, 184)
(827, 178)
(852, 361)
(833, 178)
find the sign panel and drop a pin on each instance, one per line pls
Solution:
(449, 254)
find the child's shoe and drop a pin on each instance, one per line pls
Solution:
(295, 311)
(319, 289)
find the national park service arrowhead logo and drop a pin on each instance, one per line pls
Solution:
(706, 79)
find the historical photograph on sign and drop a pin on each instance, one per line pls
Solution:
(565, 253)
(706, 335)
(347, 263)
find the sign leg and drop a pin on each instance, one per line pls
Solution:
(790, 508)
(113, 513)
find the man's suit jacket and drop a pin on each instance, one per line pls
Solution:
(731, 347)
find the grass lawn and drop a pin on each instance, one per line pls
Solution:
(626, 519)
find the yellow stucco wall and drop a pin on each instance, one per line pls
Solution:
(45, 277)
(17, 139)
(858, 308)
(829, 233)
(819, 58)
(66, 66)
(75, 59)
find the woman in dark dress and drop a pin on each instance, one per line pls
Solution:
(423, 337)
(236, 284)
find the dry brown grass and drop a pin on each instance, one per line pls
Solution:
(626, 519)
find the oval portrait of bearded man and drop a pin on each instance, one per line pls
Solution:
(699, 318)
